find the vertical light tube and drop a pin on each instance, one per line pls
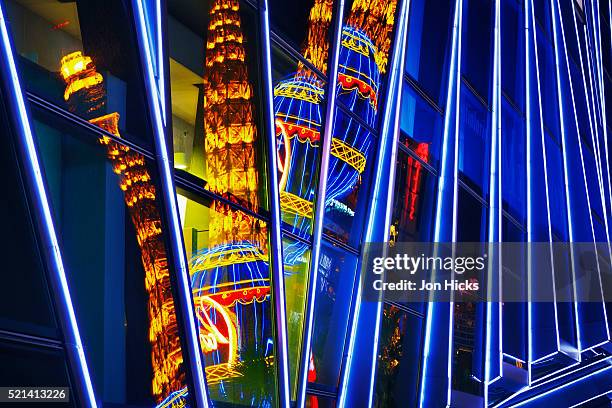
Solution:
(386, 142)
(495, 204)
(276, 243)
(319, 215)
(193, 354)
(453, 90)
(528, 173)
(579, 140)
(390, 131)
(42, 215)
(568, 201)
(543, 141)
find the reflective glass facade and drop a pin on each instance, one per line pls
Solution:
(192, 186)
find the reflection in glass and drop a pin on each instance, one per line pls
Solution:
(334, 292)
(363, 58)
(422, 124)
(46, 31)
(298, 121)
(296, 280)
(317, 401)
(414, 185)
(364, 54)
(398, 350)
(228, 252)
(109, 224)
(392, 333)
(213, 68)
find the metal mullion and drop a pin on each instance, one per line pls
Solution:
(8, 336)
(414, 84)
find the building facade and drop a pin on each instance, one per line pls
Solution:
(193, 185)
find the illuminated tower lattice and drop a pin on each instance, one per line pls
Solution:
(86, 96)
(230, 279)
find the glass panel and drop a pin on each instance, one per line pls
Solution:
(297, 263)
(428, 50)
(513, 52)
(25, 304)
(478, 45)
(214, 73)
(299, 109)
(556, 189)
(397, 374)
(78, 50)
(472, 221)
(364, 59)
(422, 124)
(548, 84)
(468, 341)
(230, 278)
(111, 235)
(333, 298)
(304, 25)
(513, 162)
(34, 367)
(474, 140)
(414, 199)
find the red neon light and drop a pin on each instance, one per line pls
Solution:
(413, 180)
(61, 25)
(302, 132)
(349, 83)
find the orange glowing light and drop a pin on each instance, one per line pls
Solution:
(376, 19)
(230, 130)
(86, 95)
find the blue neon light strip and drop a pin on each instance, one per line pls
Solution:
(193, 352)
(319, 214)
(495, 186)
(276, 243)
(453, 82)
(73, 342)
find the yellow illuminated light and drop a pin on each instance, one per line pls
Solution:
(317, 44)
(73, 63)
(210, 335)
(79, 73)
(348, 154)
(291, 203)
(232, 256)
